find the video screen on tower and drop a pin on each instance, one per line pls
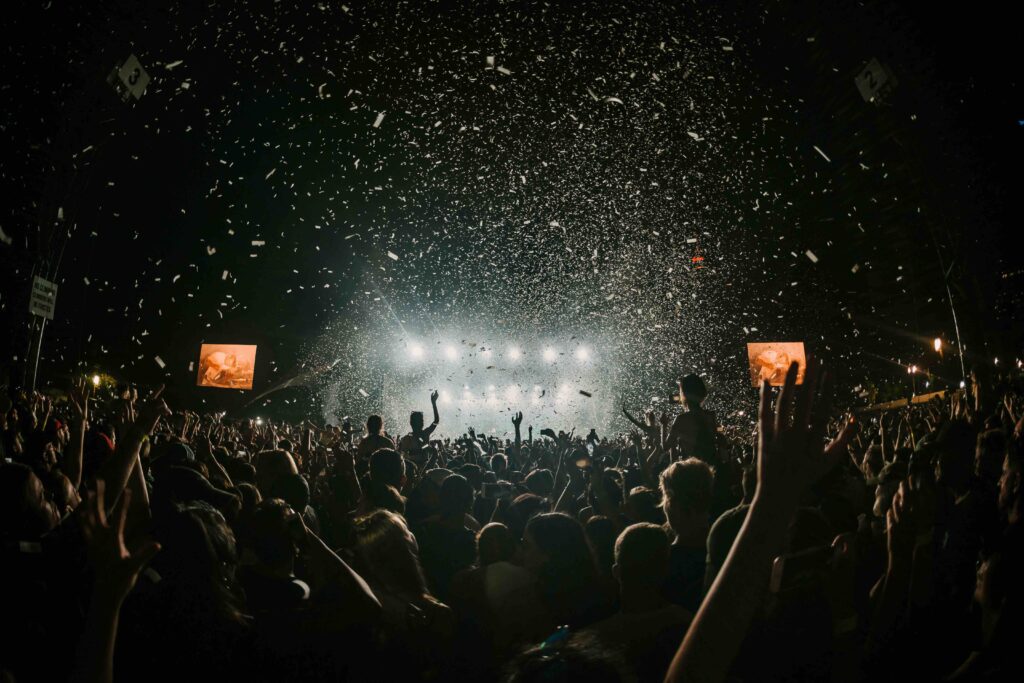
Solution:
(770, 361)
(226, 366)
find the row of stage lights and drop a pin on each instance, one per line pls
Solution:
(513, 393)
(550, 354)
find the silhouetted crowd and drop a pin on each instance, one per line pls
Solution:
(145, 544)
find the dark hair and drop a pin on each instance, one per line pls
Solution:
(387, 467)
(386, 556)
(374, 424)
(567, 582)
(456, 496)
(642, 554)
(494, 543)
(292, 489)
(581, 658)
(541, 482)
(600, 533)
(694, 387)
(385, 497)
(270, 537)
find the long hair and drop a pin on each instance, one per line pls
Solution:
(568, 580)
(388, 558)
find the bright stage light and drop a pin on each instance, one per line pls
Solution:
(582, 353)
(490, 388)
(550, 354)
(445, 397)
(416, 351)
(514, 353)
(450, 353)
(95, 380)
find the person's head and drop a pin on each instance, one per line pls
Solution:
(374, 424)
(292, 489)
(540, 482)
(555, 541)
(956, 443)
(197, 559)
(272, 535)
(1011, 485)
(523, 508)
(686, 496)
(600, 533)
(456, 497)
(26, 510)
(873, 461)
(989, 455)
(494, 543)
(580, 658)
(642, 506)
(694, 390)
(416, 420)
(387, 467)
(555, 550)
(499, 463)
(388, 554)
(641, 557)
(62, 492)
(272, 465)
(385, 497)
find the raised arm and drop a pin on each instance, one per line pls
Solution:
(791, 458)
(78, 397)
(117, 469)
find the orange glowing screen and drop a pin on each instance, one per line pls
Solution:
(770, 361)
(226, 366)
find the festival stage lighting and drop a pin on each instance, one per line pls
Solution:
(416, 351)
(259, 420)
(450, 353)
(445, 397)
(938, 344)
(582, 353)
(95, 380)
(514, 353)
(550, 354)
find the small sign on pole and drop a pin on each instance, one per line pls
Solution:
(129, 79)
(875, 81)
(43, 299)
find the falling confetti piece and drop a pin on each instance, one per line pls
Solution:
(810, 255)
(380, 120)
(823, 156)
(160, 362)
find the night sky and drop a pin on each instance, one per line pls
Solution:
(329, 180)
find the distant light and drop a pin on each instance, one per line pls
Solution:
(997, 361)
(259, 420)
(514, 353)
(962, 384)
(913, 369)
(450, 353)
(938, 344)
(416, 351)
(927, 384)
(95, 380)
(550, 354)
(490, 388)
(582, 353)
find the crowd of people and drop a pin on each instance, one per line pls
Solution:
(144, 543)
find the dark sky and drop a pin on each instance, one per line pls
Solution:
(541, 169)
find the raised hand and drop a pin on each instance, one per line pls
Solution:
(78, 397)
(792, 454)
(517, 420)
(150, 411)
(433, 396)
(115, 567)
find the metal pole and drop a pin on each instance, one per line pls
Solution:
(956, 328)
(39, 348)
